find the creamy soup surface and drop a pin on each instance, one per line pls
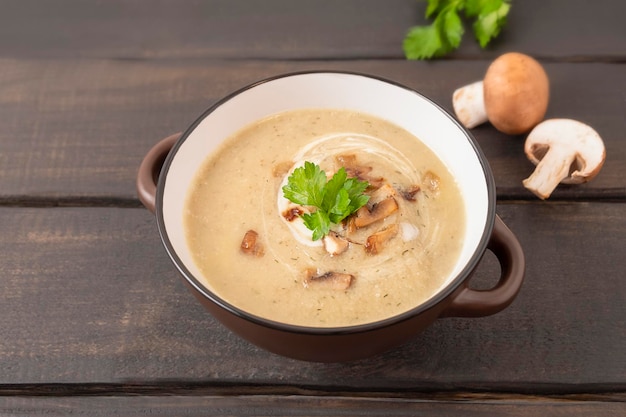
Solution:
(255, 252)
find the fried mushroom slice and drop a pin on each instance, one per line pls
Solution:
(376, 242)
(329, 280)
(366, 215)
(281, 169)
(409, 193)
(385, 191)
(335, 244)
(250, 244)
(360, 172)
(293, 213)
(431, 181)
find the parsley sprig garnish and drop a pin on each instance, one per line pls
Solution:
(333, 199)
(445, 33)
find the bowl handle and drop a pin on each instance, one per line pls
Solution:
(150, 168)
(478, 303)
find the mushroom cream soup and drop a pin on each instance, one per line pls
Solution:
(255, 252)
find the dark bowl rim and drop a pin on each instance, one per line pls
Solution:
(340, 330)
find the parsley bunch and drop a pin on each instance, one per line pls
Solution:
(445, 33)
(334, 199)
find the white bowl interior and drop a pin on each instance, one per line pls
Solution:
(396, 104)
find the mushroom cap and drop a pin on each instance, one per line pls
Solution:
(572, 137)
(516, 93)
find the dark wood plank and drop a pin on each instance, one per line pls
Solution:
(301, 406)
(286, 29)
(89, 296)
(79, 128)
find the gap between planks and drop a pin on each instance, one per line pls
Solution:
(543, 392)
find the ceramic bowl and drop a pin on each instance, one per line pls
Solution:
(169, 167)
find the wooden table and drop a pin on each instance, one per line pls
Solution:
(94, 319)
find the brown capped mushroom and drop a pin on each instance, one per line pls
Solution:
(513, 95)
(565, 151)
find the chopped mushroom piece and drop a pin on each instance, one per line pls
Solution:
(513, 95)
(329, 280)
(431, 181)
(281, 169)
(366, 216)
(360, 172)
(377, 241)
(335, 244)
(250, 244)
(565, 151)
(373, 182)
(346, 161)
(293, 213)
(385, 191)
(409, 193)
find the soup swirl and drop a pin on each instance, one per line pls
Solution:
(255, 252)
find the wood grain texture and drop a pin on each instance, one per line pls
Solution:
(300, 406)
(79, 128)
(94, 319)
(89, 296)
(288, 29)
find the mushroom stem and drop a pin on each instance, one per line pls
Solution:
(469, 105)
(550, 171)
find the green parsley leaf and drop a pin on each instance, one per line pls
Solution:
(422, 42)
(306, 185)
(318, 222)
(444, 34)
(334, 200)
(489, 23)
(433, 7)
(355, 189)
(474, 7)
(333, 187)
(451, 28)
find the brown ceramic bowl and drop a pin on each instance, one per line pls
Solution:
(176, 159)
